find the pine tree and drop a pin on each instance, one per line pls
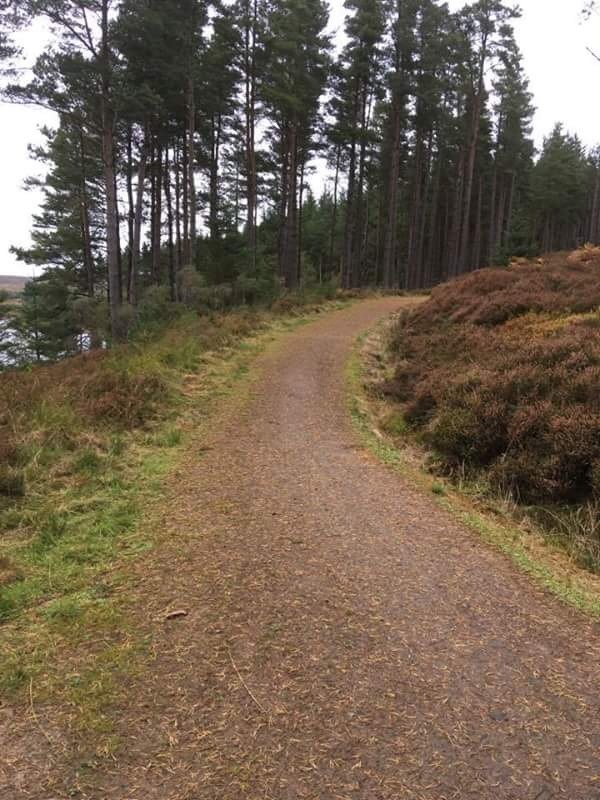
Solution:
(486, 34)
(298, 57)
(401, 86)
(562, 183)
(218, 85)
(357, 87)
(513, 156)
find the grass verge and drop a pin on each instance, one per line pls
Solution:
(547, 565)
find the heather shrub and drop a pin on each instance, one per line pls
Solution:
(499, 374)
(491, 297)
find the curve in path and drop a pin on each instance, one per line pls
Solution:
(346, 639)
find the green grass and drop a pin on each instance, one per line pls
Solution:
(569, 587)
(395, 424)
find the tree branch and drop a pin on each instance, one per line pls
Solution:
(591, 52)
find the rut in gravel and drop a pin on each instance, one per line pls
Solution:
(345, 638)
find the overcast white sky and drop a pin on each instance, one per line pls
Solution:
(564, 80)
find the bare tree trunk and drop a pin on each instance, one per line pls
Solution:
(169, 199)
(463, 257)
(509, 213)
(335, 208)
(357, 251)
(431, 253)
(422, 221)
(191, 111)
(177, 166)
(88, 258)
(289, 247)
(214, 179)
(284, 197)
(131, 209)
(108, 160)
(250, 112)
(350, 227)
(476, 257)
(300, 203)
(477, 101)
(492, 227)
(454, 236)
(157, 214)
(416, 212)
(391, 227)
(137, 225)
(500, 216)
(187, 255)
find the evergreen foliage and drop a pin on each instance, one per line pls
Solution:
(188, 134)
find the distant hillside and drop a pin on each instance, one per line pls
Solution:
(12, 283)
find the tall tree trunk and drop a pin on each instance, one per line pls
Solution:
(88, 258)
(422, 221)
(214, 179)
(250, 114)
(108, 161)
(185, 195)
(476, 258)
(284, 197)
(332, 230)
(351, 218)
(177, 166)
(131, 209)
(289, 246)
(137, 224)
(432, 242)
(157, 213)
(500, 216)
(119, 249)
(191, 160)
(511, 204)
(358, 250)
(300, 208)
(391, 227)
(477, 103)
(416, 212)
(465, 239)
(455, 230)
(492, 226)
(169, 199)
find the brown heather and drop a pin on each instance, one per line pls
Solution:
(499, 373)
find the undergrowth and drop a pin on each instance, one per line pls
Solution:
(498, 374)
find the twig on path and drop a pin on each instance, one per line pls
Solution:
(245, 685)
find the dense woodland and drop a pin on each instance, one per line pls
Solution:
(189, 134)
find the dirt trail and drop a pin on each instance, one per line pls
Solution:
(345, 639)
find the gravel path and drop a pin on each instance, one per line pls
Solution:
(346, 638)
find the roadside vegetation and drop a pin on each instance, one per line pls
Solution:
(85, 446)
(497, 375)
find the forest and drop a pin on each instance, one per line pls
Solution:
(300, 414)
(208, 155)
